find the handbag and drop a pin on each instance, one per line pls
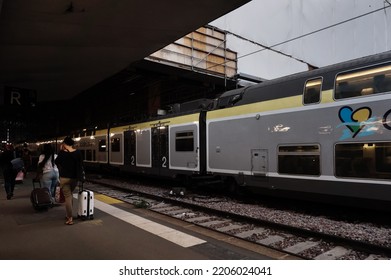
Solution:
(59, 195)
(20, 176)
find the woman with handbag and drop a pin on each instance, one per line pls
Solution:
(46, 165)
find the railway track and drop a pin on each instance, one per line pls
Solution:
(224, 215)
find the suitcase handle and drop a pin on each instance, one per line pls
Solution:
(81, 186)
(36, 180)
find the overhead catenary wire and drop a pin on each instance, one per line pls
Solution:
(311, 33)
(318, 30)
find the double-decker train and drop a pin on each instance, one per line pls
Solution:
(323, 134)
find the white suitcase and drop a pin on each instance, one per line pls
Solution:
(85, 208)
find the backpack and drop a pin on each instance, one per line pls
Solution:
(17, 164)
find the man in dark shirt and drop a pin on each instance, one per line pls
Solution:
(67, 161)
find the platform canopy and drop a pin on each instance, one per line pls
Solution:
(61, 48)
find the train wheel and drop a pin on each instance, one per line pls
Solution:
(231, 186)
(186, 182)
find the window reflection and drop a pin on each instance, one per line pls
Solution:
(363, 160)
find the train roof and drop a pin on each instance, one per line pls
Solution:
(289, 85)
(268, 90)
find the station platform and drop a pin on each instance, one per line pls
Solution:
(119, 231)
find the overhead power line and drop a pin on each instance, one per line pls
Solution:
(307, 34)
(318, 30)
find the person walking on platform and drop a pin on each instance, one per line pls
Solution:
(26, 156)
(68, 161)
(50, 174)
(9, 172)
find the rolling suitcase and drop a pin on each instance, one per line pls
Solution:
(85, 208)
(40, 197)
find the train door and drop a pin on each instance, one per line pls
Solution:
(160, 149)
(259, 162)
(130, 148)
(116, 148)
(101, 143)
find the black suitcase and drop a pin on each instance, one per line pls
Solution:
(40, 197)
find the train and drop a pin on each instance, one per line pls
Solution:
(323, 135)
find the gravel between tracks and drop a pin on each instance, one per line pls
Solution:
(359, 231)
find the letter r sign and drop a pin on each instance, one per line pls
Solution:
(19, 97)
(15, 98)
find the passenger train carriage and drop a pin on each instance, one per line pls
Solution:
(165, 147)
(325, 132)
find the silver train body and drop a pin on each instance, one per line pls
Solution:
(323, 134)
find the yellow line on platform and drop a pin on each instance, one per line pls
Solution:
(107, 199)
(102, 202)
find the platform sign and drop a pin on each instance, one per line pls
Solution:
(19, 97)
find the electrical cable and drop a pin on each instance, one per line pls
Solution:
(316, 31)
(309, 33)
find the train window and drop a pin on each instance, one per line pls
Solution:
(184, 141)
(115, 145)
(299, 160)
(363, 82)
(363, 160)
(89, 155)
(312, 91)
(102, 145)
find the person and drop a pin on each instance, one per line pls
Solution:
(50, 174)
(26, 156)
(9, 172)
(68, 161)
